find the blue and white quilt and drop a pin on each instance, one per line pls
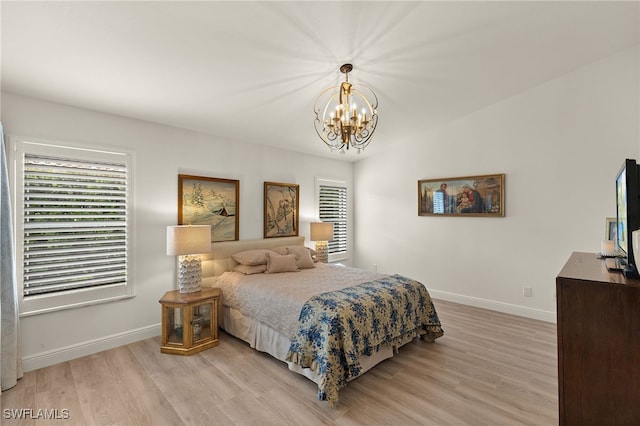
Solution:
(336, 328)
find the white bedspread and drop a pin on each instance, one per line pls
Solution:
(276, 299)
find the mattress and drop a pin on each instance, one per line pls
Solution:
(276, 299)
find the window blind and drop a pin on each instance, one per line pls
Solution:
(333, 208)
(75, 224)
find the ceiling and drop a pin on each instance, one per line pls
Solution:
(250, 71)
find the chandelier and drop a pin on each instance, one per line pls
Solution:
(338, 122)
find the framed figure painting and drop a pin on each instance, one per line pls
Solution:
(210, 201)
(281, 214)
(462, 196)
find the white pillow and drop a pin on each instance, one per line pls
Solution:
(250, 269)
(304, 260)
(252, 257)
(281, 250)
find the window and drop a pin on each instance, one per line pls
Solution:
(73, 225)
(332, 207)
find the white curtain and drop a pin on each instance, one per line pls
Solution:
(10, 358)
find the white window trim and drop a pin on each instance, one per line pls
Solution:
(342, 256)
(39, 304)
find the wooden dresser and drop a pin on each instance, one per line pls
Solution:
(598, 344)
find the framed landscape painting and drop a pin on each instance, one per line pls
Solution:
(281, 216)
(462, 196)
(210, 201)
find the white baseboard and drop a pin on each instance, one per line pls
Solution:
(507, 308)
(55, 356)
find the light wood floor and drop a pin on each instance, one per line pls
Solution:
(488, 369)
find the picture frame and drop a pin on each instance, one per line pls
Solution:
(210, 201)
(610, 229)
(281, 209)
(481, 195)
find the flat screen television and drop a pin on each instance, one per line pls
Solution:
(627, 213)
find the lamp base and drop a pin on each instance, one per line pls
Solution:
(322, 251)
(189, 274)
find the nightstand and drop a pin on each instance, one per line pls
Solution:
(189, 321)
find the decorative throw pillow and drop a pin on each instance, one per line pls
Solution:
(304, 260)
(250, 269)
(281, 263)
(281, 250)
(252, 257)
(305, 253)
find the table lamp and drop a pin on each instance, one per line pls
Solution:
(321, 233)
(185, 241)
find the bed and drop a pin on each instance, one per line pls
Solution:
(330, 323)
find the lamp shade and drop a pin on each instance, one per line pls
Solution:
(188, 239)
(321, 231)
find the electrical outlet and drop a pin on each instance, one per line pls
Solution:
(527, 291)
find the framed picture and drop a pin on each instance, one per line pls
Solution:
(462, 196)
(281, 214)
(210, 201)
(611, 229)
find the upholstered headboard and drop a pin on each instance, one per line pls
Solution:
(219, 258)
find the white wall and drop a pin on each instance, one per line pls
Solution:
(560, 145)
(161, 154)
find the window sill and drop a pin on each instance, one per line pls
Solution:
(45, 304)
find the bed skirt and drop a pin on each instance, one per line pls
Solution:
(265, 339)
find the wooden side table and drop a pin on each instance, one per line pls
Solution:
(189, 321)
